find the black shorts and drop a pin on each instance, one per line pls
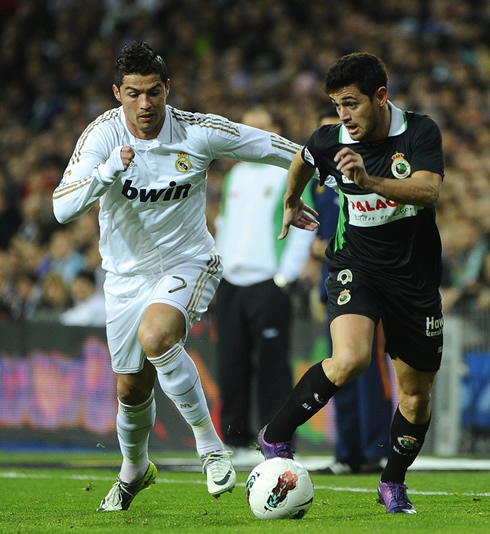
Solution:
(412, 318)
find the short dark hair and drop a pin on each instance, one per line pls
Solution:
(367, 71)
(139, 58)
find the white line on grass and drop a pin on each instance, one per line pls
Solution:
(17, 474)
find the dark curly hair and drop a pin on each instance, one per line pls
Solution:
(364, 70)
(139, 58)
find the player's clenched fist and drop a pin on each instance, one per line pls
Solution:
(351, 164)
(127, 155)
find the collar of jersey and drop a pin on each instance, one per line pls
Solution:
(397, 127)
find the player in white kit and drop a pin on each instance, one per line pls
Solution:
(146, 163)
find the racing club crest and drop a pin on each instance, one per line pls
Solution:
(400, 166)
(344, 297)
(183, 163)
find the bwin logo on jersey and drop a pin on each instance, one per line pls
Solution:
(400, 166)
(153, 195)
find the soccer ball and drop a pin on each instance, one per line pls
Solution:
(279, 488)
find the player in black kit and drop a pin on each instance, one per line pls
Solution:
(384, 261)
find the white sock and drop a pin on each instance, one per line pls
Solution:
(134, 424)
(181, 383)
(207, 440)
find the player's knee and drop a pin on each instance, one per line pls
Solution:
(416, 407)
(345, 367)
(155, 341)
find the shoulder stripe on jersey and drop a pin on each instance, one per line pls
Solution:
(65, 189)
(108, 115)
(205, 121)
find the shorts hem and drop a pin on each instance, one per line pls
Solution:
(127, 371)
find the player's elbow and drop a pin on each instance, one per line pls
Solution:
(432, 190)
(431, 196)
(61, 214)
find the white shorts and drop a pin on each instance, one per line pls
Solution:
(189, 287)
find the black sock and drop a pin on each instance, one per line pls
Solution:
(406, 441)
(308, 397)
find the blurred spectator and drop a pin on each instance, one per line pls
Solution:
(484, 294)
(93, 262)
(85, 231)
(89, 305)
(10, 219)
(463, 261)
(26, 296)
(54, 299)
(37, 217)
(7, 286)
(62, 257)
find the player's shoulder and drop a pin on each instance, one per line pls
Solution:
(422, 121)
(110, 120)
(203, 123)
(109, 117)
(326, 135)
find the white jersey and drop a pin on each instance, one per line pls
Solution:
(152, 216)
(251, 251)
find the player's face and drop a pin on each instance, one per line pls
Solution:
(361, 116)
(143, 99)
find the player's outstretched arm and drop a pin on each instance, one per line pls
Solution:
(296, 212)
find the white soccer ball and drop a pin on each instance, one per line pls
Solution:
(279, 488)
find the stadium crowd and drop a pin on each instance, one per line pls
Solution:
(56, 64)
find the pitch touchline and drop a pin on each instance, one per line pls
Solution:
(15, 474)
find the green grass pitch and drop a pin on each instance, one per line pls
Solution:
(37, 496)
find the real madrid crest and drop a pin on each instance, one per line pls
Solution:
(183, 163)
(344, 297)
(400, 166)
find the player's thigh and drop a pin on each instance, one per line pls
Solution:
(162, 326)
(353, 312)
(126, 300)
(352, 292)
(352, 339)
(189, 288)
(414, 333)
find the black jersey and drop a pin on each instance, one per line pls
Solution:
(374, 233)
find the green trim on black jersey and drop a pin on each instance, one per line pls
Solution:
(339, 234)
